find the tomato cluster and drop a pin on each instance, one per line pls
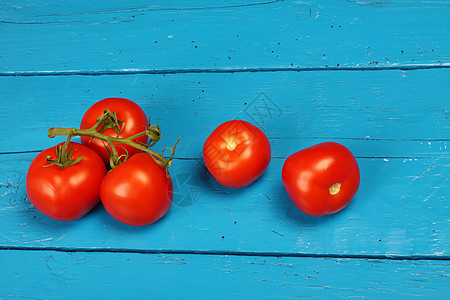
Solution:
(65, 182)
(137, 191)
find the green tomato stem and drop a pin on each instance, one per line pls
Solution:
(63, 155)
(153, 132)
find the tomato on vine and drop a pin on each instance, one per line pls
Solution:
(127, 119)
(236, 153)
(138, 192)
(64, 184)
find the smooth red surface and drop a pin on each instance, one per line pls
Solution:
(308, 175)
(65, 194)
(137, 192)
(246, 162)
(128, 112)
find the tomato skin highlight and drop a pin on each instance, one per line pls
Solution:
(322, 179)
(236, 153)
(137, 192)
(65, 194)
(128, 112)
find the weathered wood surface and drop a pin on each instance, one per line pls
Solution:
(65, 275)
(120, 36)
(370, 75)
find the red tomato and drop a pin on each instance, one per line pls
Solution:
(134, 118)
(321, 179)
(236, 153)
(66, 194)
(137, 192)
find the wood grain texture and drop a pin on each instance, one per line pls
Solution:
(48, 275)
(378, 113)
(124, 36)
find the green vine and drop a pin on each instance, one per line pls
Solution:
(109, 120)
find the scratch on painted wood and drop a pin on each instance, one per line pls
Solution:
(150, 9)
(20, 297)
(436, 189)
(57, 269)
(13, 191)
(424, 172)
(173, 260)
(276, 232)
(265, 263)
(431, 166)
(370, 3)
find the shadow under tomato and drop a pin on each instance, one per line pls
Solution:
(210, 184)
(42, 223)
(108, 221)
(47, 224)
(253, 187)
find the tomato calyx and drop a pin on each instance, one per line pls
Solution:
(109, 120)
(63, 155)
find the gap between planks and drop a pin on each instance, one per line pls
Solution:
(226, 70)
(302, 138)
(229, 253)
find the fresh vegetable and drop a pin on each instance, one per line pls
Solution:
(321, 179)
(63, 182)
(138, 189)
(137, 192)
(127, 120)
(236, 153)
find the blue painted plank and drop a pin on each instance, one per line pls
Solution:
(395, 122)
(377, 113)
(115, 35)
(48, 275)
(401, 209)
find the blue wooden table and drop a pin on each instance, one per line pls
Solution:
(371, 75)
